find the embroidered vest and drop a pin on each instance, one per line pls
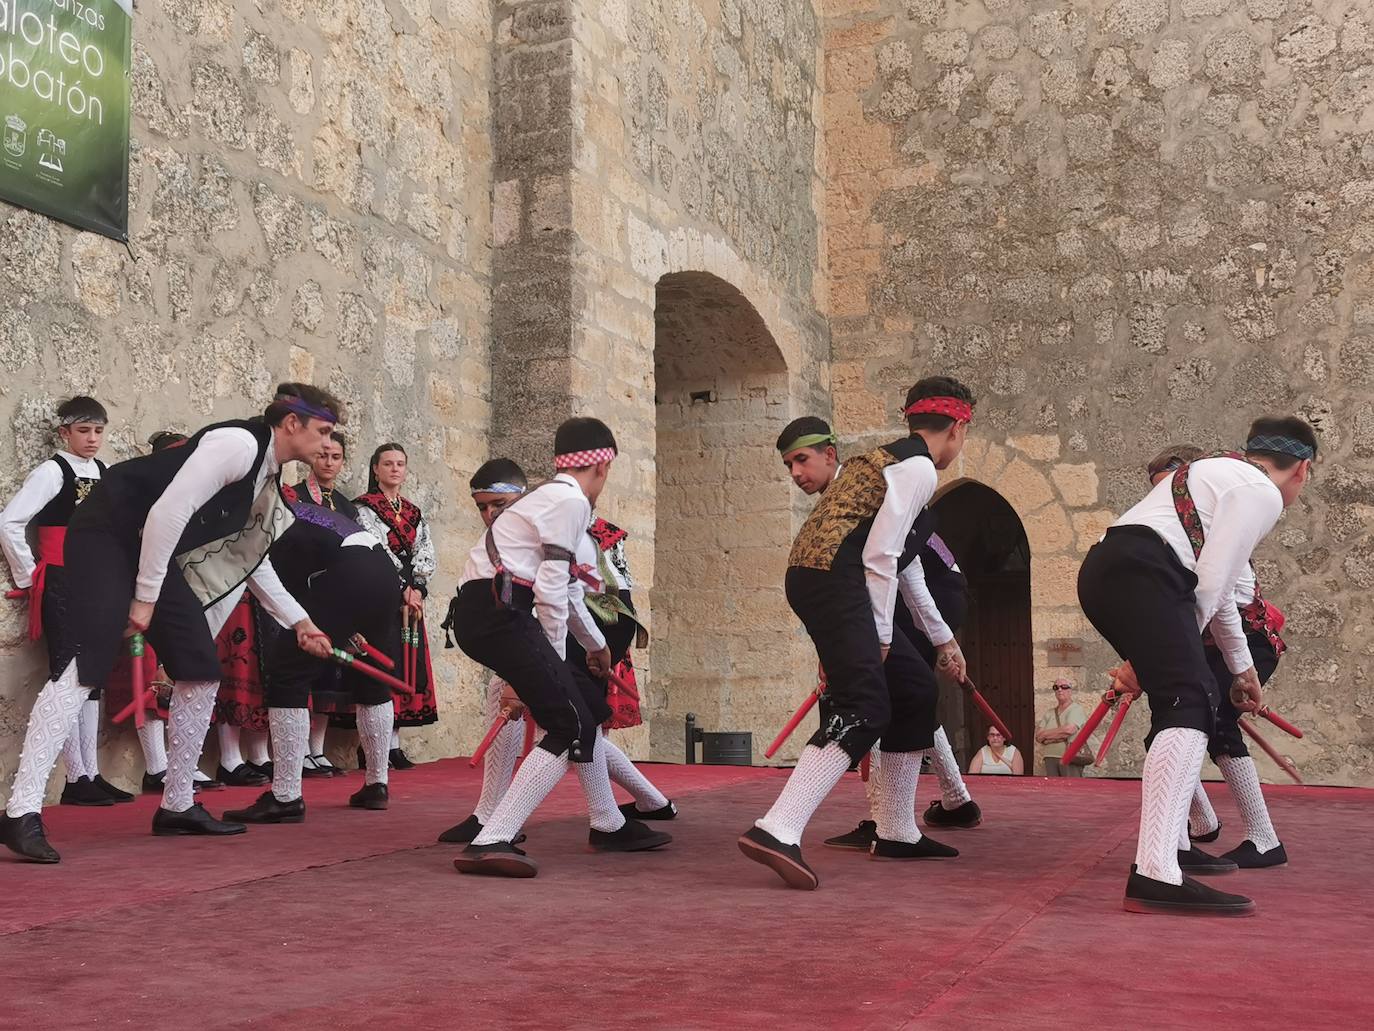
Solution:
(75, 489)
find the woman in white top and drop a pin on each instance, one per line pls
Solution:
(997, 756)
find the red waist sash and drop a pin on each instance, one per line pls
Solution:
(50, 541)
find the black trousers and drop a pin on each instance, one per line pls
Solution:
(866, 699)
(1227, 738)
(103, 561)
(358, 594)
(619, 636)
(511, 643)
(1139, 597)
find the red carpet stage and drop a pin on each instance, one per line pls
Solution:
(357, 920)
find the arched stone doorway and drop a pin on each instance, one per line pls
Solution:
(987, 537)
(724, 645)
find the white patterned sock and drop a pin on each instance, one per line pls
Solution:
(90, 736)
(539, 774)
(871, 785)
(1243, 780)
(1202, 818)
(627, 775)
(818, 771)
(1184, 845)
(374, 732)
(319, 723)
(230, 757)
(52, 722)
(1171, 769)
(153, 737)
(395, 739)
(188, 720)
(255, 747)
(72, 757)
(498, 767)
(602, 812)
(953, 791)
(290, 739)
(898, 774)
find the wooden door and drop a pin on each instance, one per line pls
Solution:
(996, 640)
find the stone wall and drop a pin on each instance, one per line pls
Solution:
(309, 199)
(1125, 224)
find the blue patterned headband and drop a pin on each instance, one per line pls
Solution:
(304, 409)
(500, 488)
(1281, 446)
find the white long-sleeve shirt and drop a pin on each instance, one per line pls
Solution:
(910, 486)
(41, 485)
(555, 514)
(911, 582)
(1238, 505)
(580, 621)
(222, 457)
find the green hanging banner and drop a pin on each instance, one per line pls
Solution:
(64, 110)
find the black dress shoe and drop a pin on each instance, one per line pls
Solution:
(264, 769)
(370, 796)
(502, 859)
(269, 809)
(153, 783)
(399, 760)
(926, 848)
(1146, 895)
(194, 821)
(1211, 835)
(963, 817)
(666, 812)
(1203, 864)
(24, 836)
(244, 775)
(632, 837)
(1248, 857)
(312, 768)
(208, 784)
(118, 794)
(467, 830)
(784, 860)
(362, 758)
(84, 791)
(856, 840)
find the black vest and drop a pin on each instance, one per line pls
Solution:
(310, 544)
(58, 511)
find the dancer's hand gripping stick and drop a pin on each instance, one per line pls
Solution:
(1126, 698)
(796, 719)
(986, 709)
(1281, 761)
(359, 644)
(142, 697)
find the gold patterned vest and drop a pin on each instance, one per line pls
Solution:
(838, 526)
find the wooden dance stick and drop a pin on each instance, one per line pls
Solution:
(17, 594)
(1282, 762)
(797, 717)
(1127, 697)
(1085, 731)
(359, 643)
(1279, 721)
(986, 709)
(139, 689)
(497, 725)
(342, 657)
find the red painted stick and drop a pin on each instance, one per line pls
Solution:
(987, 710)
(865, 767)
(797, 717)
(1282, 762)
(138, 689)
(497, 725)
(1085, 731)
(17, 593)
(1279, 721)
(1124, 707)
(359, 642)
(372, 672)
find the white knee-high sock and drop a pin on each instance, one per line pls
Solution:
(626, 774)
(1243, 780)
(395, 738)
(1171, 770)
(953, 791)
(51, 722)
(255, 746)
(871, 786)
(374, 733)
(539, 774)
(602, 812)
(152, 736)
(290, 739)
(898, 775)
(230, 757)
(818, 771)
(1202, 818)
(72, 757)
(498, 767)
(188, 720)
(319, 723)
(90, 736)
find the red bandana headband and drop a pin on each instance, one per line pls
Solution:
(959, 411)
(581, 459)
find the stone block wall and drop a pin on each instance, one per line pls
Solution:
(1125, 224)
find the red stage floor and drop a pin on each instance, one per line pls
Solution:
(356, 919)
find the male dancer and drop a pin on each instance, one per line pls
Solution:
(1262, 622)
(47, 501)
(520, 565)
(807, 447)
(162, 538)
(1165, 571)
(842, 582)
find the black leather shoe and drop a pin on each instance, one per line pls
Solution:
(118, 794)
(208, 784)
(856, 840)
(399, 760)
(963, 817)
(194, 821)
(84, 791)
(370, 796)
(264, 769)
(784, 860)
(666, 812)
(24, 836)
(1203, 864)
(244, 775)
(1248, 857)
(502, 859)
(1146, 895)
(312, 768)
(926, 848)
(1211, 835)
(462, 833)
(153, 783)
(632, 837)
(269, 809)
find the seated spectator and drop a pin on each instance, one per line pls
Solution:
(997, 756)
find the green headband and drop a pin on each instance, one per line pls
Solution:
(808, 440)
